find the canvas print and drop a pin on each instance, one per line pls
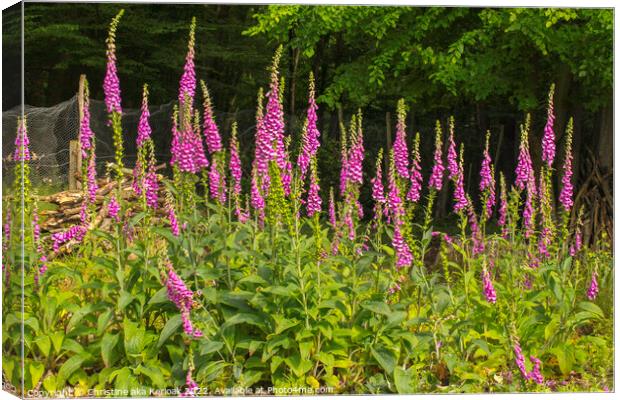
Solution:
(205, 200)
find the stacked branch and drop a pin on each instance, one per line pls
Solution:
(68, 203)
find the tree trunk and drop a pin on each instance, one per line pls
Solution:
(606, 138)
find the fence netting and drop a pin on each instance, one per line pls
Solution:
(50, 130)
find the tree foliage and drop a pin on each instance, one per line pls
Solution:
(443, 53)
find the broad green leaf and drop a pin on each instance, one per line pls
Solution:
(298, 366)
(405, 380)
(209, 347)
(377, 307)
(108, 342)
(385, 358)
(36, 372)
(172, 325)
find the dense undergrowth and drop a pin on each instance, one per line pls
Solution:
(278, 288)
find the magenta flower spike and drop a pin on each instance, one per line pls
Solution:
(172, 216)
(453, 167)
(489, 290)
(575, 247)
(485, 169)
(394, 201)
(211, 132)
(548, 141)
(344, 164)
(535, 374)
(378, 194)
(22, 143)
(310, 142)
(593, 290)
(235, 161)
(182, 297)
(332, 208)
(524, 170)
(415, 174)
(503, 205)
(520, 360)
(401, 153)
(355, 157)
(460, 199)
(187, 84)
(144, 128)
(313, 204)
(436, 179)
(402, 250)
(566, 195)
(113, 209)
(111, 84)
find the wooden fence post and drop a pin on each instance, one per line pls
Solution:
(75, 164)
(75, 152)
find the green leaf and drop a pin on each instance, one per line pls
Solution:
(124, 300)
(283, 324)
(69, 367)
(103, 320)
(591, 307)
(133, 338)
(44, 344)
(244, 318)
(405, 380)
(36, 372)
(57, 340)
(385, 358)
(78, 316)
(210, 347)
(298, 366)
(108, 342)
(49, 383)
(377, 307)
(171, 327)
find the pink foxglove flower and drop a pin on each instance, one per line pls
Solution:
(113, 209)
(217, 189)
(575, 247)
(235, 162)
(355, 156)
(332, 208)
(144, 128)
(485, 170)
(416, 172)
(211, 132)
(503, 201)
(535, 374)
(548, 141)
(187, 84)
(489, 290)
(313, 204)
(344, 165)
(566, 195)
(436, 180)
(524, 170)
(453, 167)
(394, 200)
(403, 253)
(310, 141)
(520, 360)
(460, 200)
(378, 194)
(22, 143)
(181, 296)
(593, 290)
(401, 154)
(111, 85)
(172, 216)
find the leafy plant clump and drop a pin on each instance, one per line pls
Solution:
(202, 287)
